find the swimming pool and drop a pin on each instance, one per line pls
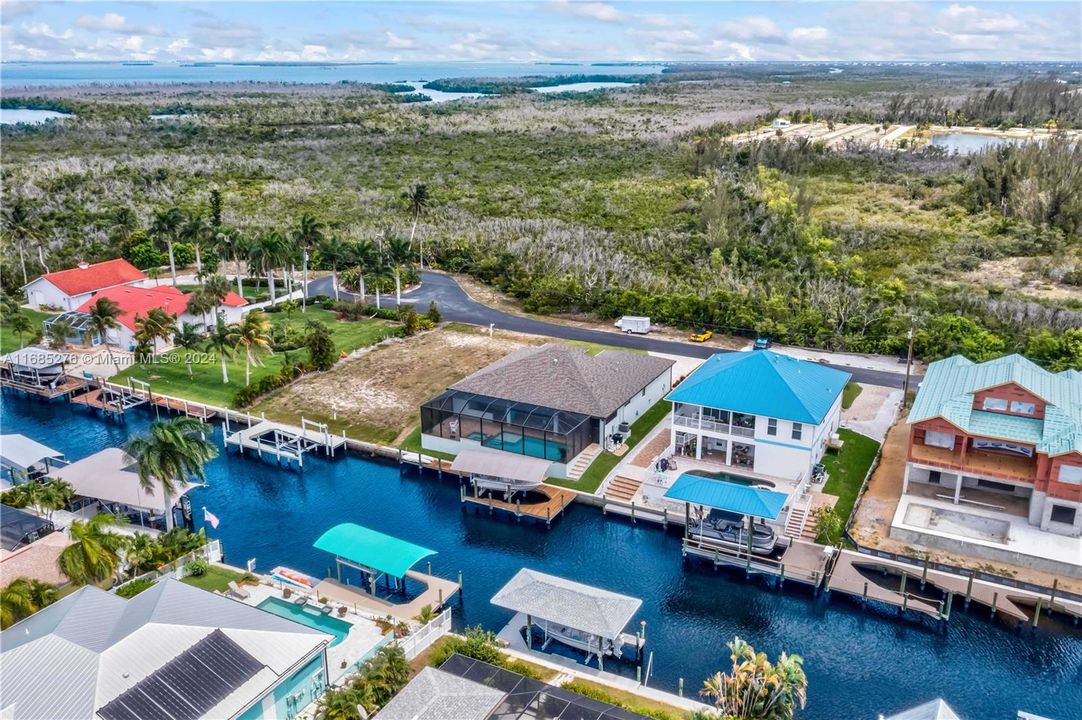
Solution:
(307, 616)
(523, 445)
(860, 662)
(735, 479)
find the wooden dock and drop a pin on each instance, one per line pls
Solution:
(801, 561)
(63, 388)
(283, 442)
(556, 501)
(190, 409)
(109, 399)
(438, 592)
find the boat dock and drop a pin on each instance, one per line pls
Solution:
(67, 385)
(910, 587)
(438, 592)
(283, 442)
(556, 500)
(110, 399)
(801, 561)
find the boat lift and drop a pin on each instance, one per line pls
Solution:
(579, 616)
(283, 441)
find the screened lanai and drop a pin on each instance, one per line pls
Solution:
(523, 428)
(81, 330)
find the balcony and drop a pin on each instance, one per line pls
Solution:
(686, 417)
(977, 462)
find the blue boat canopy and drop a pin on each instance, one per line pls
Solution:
(732, 497)
(371, 549)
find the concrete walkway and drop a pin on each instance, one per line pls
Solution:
(873, 412)
(352, 595)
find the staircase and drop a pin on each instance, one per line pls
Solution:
(800, 523)
(577, 468)
(622, 489)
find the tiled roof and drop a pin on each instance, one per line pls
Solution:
(98, 276)
(138, 301)
(949, 386)
(564, 377)
(762, 382)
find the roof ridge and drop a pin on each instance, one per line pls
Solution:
(772, 356)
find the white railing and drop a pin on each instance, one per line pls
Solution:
(416, 643)
(794, 503)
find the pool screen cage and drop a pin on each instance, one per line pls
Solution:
(81, 324)
(524, 428)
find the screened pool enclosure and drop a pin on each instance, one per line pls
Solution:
(523, 428)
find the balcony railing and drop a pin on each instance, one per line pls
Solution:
(697, 421)
(978, 462)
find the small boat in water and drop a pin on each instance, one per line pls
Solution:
(733, 534)
(294, 577)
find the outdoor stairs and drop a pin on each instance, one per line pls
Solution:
(583, 461)
(800, 523)
(622, 489)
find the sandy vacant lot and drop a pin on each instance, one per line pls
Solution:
(377, 394)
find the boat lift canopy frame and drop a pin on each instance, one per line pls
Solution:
(370, 551)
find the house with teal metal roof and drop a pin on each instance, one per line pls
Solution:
(1006, 427)
(759, 411)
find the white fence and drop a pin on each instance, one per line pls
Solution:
(418, 642)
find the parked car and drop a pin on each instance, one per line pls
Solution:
(701, 336)
(762, 343)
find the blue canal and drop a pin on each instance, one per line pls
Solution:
(860, 661)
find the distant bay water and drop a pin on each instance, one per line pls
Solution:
(17, 75)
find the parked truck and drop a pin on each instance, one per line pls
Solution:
(634, 324)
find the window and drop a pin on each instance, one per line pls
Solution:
(771, 426)
(1070, 474)
(1062, 514)
(939, 439)
(934, 476)
(993, 485)
(798, 431)
(716, 415)
(991, 403)
(1025, 408)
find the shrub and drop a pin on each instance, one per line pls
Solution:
(433, 313)
(828, 525)
(582, 688)
(133, 588)
(197, 567)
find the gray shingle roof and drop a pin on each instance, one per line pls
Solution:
(438, 695)
(557, 599)
(565, 377)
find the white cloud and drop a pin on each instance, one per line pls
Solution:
(115, 23)
(178, 46)
(809, 34)
(397, 42)
(593, 10)
(43, 30)
(11, 9)
(752, 28)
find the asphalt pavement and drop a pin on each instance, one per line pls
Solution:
(456, 306)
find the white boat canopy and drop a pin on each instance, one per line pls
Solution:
(34, 358)
(589, 609)
(20, 453)
(518, 470)
(105, 476)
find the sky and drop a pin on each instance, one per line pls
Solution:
(549, 30)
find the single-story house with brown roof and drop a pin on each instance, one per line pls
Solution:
(552, 402)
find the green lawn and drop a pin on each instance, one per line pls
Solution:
(412, 443)
(625, 699)
(216, 579)
(850, 393)
(169, 376)
(848, 468)
(251, 292)
(9, 341)
(606, 461)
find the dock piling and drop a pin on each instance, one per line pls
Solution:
(1037, 612)
(995, 603)
(924, 574)
(633, 511)
(665, 517)
(1052, 597)
(864, 595)
(680, 687)
(969, 590)
(905, 597)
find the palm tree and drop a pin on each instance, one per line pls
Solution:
(426, 615)
(200, 303)
(59, 332)
(155, 274)
(216, 287)
(418, 198)
(309, 234)
(757, 689)
(43, 497)
(23, 597)
(196, 232)
(156, 324)
(362, 254)
(125, 223)
(20, 229)
(332, 253)
(94, 554)
(220, 340)
(104, 316)
(379, 271)
(172, 452)
(143, 553)
(398, 252)
(267, 253)
(387, 673)
(235, 243)
(20, 324)
(188, 338)
(253, 334)
(167, 226)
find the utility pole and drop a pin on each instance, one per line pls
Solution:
(908, 363)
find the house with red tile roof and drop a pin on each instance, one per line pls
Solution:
(136, 302)
(68, 289)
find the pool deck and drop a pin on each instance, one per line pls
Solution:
(351, 595)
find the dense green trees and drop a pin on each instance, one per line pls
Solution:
(757, 689)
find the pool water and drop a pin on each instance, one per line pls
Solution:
(523, 445)
(860, 661)
(735, 479)
(307, 616)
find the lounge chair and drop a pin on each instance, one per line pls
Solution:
(237, 591)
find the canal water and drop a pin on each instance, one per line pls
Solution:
(860, 661)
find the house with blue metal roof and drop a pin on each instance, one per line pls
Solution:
(759, 411)
(1006, 427)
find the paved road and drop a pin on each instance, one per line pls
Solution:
(455, 305)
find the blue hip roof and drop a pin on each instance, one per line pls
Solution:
(722, 495)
